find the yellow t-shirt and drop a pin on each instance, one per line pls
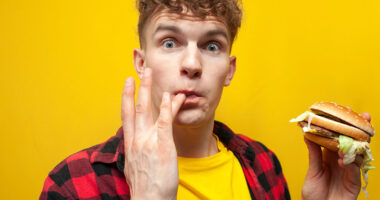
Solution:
(219, 176)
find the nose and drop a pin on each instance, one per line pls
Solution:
(191, 62)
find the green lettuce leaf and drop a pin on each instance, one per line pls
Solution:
(350, 149)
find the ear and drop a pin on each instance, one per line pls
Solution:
(139, 61)
(231, 71)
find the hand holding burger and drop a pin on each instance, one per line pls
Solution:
(338, 128)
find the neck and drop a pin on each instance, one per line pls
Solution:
(195, 141)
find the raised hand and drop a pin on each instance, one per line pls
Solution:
(151, 167)
(327, 176)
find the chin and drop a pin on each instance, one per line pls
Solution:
(190, 118)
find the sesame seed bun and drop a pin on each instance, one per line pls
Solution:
(345, 114)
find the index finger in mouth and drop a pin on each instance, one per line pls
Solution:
(177, 102)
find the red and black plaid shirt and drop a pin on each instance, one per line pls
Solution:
(97, 172)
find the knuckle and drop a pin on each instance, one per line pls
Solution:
(139, 142)
(149, 148)
(135, 146)
(145, 82)
(164, 106)
(123, 115)
(128, 91)
(163, 122)
(139, 108)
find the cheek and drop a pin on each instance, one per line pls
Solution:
(217, 71)
(215, 80)
(163, 79)
(161, 64)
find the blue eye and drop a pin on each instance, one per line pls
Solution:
(169, 44)
(213, 47)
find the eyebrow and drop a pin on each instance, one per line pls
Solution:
(167, 28)
(175, 29)
(217, 32)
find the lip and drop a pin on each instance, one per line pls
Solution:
(192, 97)
(188, 93)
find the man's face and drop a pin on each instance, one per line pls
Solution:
(187, 55)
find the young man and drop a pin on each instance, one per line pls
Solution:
(169, 145)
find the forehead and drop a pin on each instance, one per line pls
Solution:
(186, 21)
(187, 15)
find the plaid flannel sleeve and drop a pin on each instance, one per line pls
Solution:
(78, 178)
(268, 170)
(94, 173)
(282, 187)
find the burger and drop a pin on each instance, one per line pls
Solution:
(338, 128)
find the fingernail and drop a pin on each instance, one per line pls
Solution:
(129, 80)
(166, 97)
(180, 96)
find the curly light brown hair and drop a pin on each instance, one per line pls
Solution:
(228, 11)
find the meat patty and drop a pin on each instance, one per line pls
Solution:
(320, 131)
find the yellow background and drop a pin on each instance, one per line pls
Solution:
(63, 65)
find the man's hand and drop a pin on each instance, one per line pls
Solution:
(151, 167)
(327, 176)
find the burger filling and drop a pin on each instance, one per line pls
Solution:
(317, 130)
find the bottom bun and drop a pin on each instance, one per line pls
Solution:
(330, 144)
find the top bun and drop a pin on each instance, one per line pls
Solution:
(345, 114)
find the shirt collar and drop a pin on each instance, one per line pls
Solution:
(111, 150)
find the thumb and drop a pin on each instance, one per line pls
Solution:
(366, 116)
(315, 157)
